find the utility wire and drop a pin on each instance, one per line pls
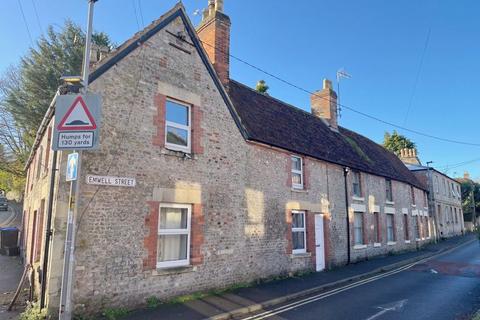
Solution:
(141, 13)
(135, 13)
(37, 16)
(25, 23)
(417, 77)
(420, 133)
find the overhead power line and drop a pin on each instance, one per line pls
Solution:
(417, 77)
(25, 23)
(366, 115)
(37, 16)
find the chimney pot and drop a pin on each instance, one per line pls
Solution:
(219, 5)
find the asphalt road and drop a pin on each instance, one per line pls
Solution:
(12, 217)
(445, 287)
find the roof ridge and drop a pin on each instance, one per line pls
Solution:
(297, 109)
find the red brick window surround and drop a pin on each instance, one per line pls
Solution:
(175, 235)
(178, 125)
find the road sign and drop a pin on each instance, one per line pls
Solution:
(72, 166)
(111, 181)
(77, 120)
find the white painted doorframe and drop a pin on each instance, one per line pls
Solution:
(319, 243)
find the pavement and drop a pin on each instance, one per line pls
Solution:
(244, 301)
(11, 268)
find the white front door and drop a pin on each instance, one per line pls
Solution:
(319, 242)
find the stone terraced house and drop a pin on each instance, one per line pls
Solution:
(231, 185)
(445, 196)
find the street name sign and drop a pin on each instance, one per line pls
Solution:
(77, 120)
(111, 181)
(72, 166)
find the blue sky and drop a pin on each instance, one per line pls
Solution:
(380, 43)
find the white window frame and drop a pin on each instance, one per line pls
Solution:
(356, 173)
(392, 216)
(389, 182)
(173, 146)
(300, 172)
(304, 230)
(355, 228)
(161, 232)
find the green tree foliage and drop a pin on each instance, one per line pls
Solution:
(262, 86)
(395, 142)
(26, 91)
(467, 186)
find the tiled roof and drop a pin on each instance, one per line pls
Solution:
(273, 122)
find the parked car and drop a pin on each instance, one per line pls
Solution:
(3, 204)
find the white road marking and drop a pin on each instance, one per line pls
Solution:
(293, 305)
(392, 307)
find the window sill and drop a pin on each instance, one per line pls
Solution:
(389, 202)
(359, 246)
(301, 255)
(358, 198)
(301, 190)
(377, 244)
(161, 271)
(414, 205)
(177, 153)
(407, 241)
(418, 240)
(391, 243)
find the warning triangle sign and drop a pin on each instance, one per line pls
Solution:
(77, 117)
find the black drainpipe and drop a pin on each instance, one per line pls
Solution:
(345, 173)
(48, 231)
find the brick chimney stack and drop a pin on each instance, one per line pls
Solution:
(466, 175)
(409, 156)
(324, 104)
(214, 32)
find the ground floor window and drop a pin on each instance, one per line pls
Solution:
(376, 227)
(173, 247)
(416, 228)
(298, 232)
(390, 228)
(405, 227)
(358, 228)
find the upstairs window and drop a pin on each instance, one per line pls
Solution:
(412, 192)
(357, 186)
(297, 172)
(178, 126)
(436, 184)
(298, 232)
(388, 190)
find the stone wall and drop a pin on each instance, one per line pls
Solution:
(240, 192)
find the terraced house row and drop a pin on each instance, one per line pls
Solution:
(232, 185)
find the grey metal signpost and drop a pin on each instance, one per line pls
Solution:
(76, 128)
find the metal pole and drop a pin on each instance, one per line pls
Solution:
(48, 230)
(66, 309)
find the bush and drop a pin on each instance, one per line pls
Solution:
(33, 312)
(153, 302)
(115, 313)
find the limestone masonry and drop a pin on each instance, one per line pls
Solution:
(230, 185)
